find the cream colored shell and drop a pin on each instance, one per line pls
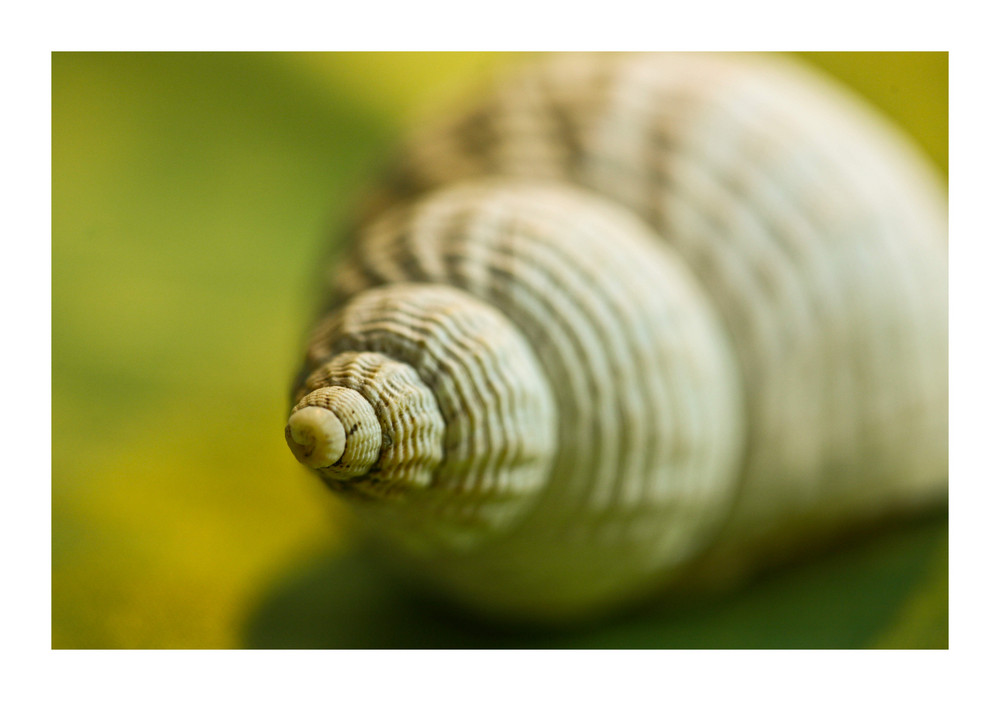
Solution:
(631, 321)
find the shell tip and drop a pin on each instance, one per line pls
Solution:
(315, 436)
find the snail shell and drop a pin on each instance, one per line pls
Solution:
(631, 321)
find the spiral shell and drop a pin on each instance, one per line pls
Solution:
(630, 320)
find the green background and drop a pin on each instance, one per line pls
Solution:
(191, 194)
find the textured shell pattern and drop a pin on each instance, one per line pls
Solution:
(632, 321)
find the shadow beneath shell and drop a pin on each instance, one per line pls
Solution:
(888, 589)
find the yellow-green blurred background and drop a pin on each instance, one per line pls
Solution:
(191, 194)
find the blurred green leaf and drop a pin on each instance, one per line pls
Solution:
(872, 592)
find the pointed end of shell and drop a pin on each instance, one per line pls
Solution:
(335, 430)
(316, 436)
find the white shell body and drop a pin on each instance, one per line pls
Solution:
(632, 320)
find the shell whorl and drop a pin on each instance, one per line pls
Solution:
(334, 429)
(654, 310)
(373, 396)
(465, 417)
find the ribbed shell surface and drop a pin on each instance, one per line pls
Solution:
(818, 233)
(646, 390)
(734, 280)
(467, 415)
